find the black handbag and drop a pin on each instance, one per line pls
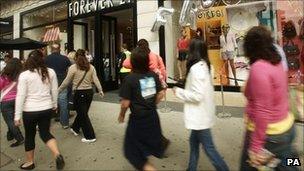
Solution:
(291, 49)
(293, 62)
(71, 104)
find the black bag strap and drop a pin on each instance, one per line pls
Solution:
(81, 80)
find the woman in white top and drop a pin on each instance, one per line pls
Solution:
(199, 107)
(36, 100)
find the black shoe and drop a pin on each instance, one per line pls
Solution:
(165, 144)
(59, 162)
(30, 167)
(57, 119)
(17, 143)
(9, 136)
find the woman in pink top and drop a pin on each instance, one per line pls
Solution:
(269, 124)
(8, 87)
(156, 63)
(182, 52)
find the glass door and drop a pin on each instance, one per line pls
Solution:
(108, 52)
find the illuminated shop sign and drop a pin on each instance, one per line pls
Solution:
(86, 6)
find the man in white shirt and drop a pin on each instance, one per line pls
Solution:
(228, 46)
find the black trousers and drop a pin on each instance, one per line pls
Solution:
(31, 120)
(82, 102)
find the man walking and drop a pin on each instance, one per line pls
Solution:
(60, 65)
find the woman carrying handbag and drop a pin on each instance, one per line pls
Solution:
(82, 74)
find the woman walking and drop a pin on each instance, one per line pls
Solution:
(8, 87)
(82, 74)
(199, 107)
(269, 124)
(141, 91)
(36, 100)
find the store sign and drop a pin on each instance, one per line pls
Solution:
(212, 13)
(86, 6)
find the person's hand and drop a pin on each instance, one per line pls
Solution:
(101, 94)
(17, 122)
(174, 90)
(121, 119)
(257, 159)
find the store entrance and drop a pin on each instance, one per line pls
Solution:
(109, 49)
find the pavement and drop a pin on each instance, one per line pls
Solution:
(106, 153)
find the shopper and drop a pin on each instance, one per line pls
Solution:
(36, 100)
(199, 107)
(8, 87)
(60, 64)
(3, 63)
(125, 54)
(82, 74)
(156, 63)
(140, 92)
(71, 56)
(269, 124)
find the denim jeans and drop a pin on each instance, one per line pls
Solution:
(8, 113)
(280, 145)
(63, 107)
(205, 138)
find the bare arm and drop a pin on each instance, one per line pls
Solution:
(125, 103)
(160, 95)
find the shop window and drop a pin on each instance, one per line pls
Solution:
(48, 34)
(46, 15)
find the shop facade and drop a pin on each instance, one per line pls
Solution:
(102, 26)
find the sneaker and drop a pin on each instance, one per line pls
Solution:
(29, 167)
(74, 132)
(59, 162)
(65, 127)
(88, 140)
(17, 143)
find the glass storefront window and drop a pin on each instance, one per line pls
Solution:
(46, 15)
(40, 33)
(279, 16)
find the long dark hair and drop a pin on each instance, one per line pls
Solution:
(197, 52)
(12, 69)
(81, 60)
(35, 61)
(258, 44)
(144, 44)
(139, 61)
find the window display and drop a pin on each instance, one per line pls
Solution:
(219, 23)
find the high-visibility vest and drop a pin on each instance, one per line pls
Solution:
(123, 69)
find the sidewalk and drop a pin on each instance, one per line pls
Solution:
(106, 153)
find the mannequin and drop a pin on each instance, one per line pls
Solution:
(182, 52)
(228, 47)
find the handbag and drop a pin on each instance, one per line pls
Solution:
(291, 49)
(7, 89)
(71, 105)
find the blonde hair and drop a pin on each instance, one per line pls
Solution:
(72, 56)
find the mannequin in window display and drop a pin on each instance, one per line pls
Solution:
(228, 48)
(182, 52)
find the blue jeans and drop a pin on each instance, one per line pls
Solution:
(8, 113)
(280, 145)
(63, 107)
(204, 137)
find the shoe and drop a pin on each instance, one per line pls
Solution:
(30, 167)
(65, 127)
(59, 162)
(74, 132)
(9, 136)
(57, 119)
(17, 143)
(88, 140)
(165, 144)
